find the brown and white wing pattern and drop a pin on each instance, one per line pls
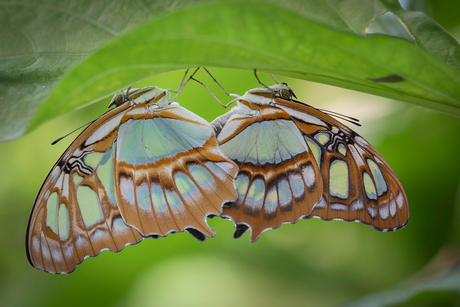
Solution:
(170, 173)
(358, 184)
(279, 180)
(297, 162)
(144, 169)
(75, 214)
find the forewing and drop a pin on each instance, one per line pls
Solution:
(75, 214)
(279, 180)
(358, 184)
(170, 173)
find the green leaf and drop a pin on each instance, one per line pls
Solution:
(432, 37)
(266, 37)
(428, 34)
(316, 40)
(42, 40)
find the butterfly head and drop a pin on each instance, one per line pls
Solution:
(279, 90)
(282, 90)
(150, 95)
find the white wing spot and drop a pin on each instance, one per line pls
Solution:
(56, 253)
(384, 211)
(68, 251)
(320, 204)
(127, 189)
(81, 242)
(357, 205)
(392, 208)
(399, 200)
(308, 174)
(338, 206)
(45, 250)
(372, 211)
(362, 142)
(36, 244)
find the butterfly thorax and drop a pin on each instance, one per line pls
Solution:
(154, 97)
(262, 96)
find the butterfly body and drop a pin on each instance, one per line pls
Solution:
(298, 162)
(146, 168)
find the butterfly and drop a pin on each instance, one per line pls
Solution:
(297, 162)
(146, 168)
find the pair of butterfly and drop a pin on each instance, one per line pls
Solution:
(149, 167)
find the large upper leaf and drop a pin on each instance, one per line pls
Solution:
(41, 40)
(314, 40)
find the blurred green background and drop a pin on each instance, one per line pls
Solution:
(311, 263)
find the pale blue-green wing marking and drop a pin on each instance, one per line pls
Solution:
(129, 137)
(106, 175)
(180, 196)
(276, 171)
(240, 147)
(161, 137)
(183, 132)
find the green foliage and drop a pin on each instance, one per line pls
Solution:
(318, 41)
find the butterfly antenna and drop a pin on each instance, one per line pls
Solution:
(181, 85)
(213, 95)
(274, 79)
(127, 91)
(72, 132)
(347, 118)
(332, 112)
(260, 82)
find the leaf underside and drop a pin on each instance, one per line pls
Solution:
(319, 41)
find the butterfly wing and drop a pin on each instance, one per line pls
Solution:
(358, 184)
(75, 214)
(279, 180)
(297, 162)
(170, 173)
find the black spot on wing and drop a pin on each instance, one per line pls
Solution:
(240, 230)
(196, 234)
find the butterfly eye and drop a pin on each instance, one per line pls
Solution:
(285, 94)
(118, 99)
